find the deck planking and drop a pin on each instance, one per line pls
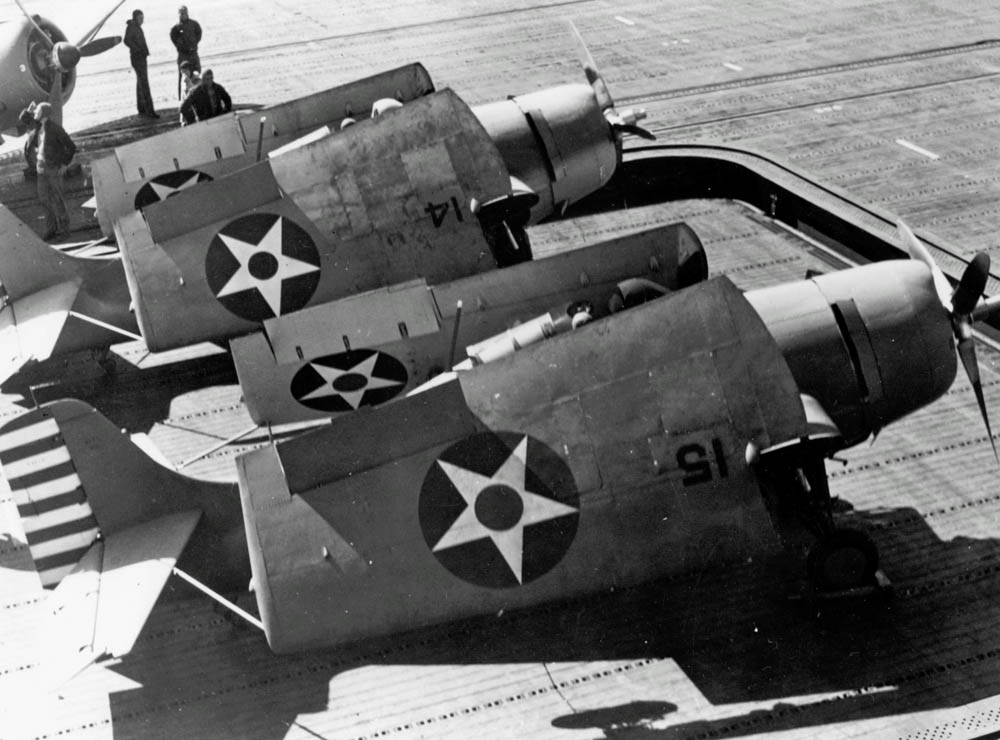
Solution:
(721, 655)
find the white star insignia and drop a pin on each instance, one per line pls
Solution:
(510, 542)
(165, 191)
(353, 398)
(269, 288)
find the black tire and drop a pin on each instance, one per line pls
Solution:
(846, 559)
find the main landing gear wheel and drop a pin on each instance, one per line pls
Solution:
(844, 560)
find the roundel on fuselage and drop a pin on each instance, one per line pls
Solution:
(262, 265)
(499, 509)
(349, 380)
(163, 186)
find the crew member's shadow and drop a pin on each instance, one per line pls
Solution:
(864, 658)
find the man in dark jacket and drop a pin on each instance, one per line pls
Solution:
(186, 35)
(206, 100)
(55, 152)
(135, 40)
(26, 124)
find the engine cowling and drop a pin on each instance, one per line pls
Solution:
(557, 141)
(871, 344)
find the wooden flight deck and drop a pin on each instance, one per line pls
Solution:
(894, 104)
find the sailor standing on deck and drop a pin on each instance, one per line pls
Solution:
(135, 40)
(55, 152)
(186, 35)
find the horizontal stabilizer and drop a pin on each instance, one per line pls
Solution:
(99, 609)
(31, 326)
(28, 264)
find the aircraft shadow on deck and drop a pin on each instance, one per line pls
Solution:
(734, 634)
(115, 394)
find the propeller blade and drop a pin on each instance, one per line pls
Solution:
(971, 286)
(967, 351)
(33, 22)
(56, 97)
(631, 128)
(919, 252)
(88, 37)
(601, 91)
(99, 46)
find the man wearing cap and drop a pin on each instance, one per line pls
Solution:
(186, 35)
(55, 152)
(135, 40)
(206, 100)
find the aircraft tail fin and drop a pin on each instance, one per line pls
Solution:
(28, 264)
(58, 521)
(105, 525)
(77, 479)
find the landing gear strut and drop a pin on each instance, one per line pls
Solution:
(838, 559)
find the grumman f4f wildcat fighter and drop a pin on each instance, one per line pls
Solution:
(679, 434)
(430, 190)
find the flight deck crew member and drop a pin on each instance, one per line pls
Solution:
(189, 78)
(186, 35)
(206, 100)
(135, 40)
(26, 124)
(55, 152)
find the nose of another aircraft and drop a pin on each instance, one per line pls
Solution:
(872, 344)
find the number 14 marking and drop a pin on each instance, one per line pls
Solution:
(438, 211)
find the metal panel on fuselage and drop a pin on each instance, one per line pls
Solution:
(630, 490)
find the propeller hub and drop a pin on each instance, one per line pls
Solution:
(67, 56)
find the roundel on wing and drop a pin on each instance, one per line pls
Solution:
(163, 186)
(262, 265)
(499, 509)
(348, 380)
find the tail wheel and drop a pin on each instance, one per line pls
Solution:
(845, 559)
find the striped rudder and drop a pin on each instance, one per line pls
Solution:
(58, 521)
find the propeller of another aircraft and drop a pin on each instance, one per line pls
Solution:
(66, 55)
(964, 306)
(621, 123)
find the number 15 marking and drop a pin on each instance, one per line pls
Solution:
(694, 460)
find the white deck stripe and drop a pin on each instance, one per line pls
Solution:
(36, 463)
(62, 515)
(52, 576)
(33, 433)
(63, 544)
(57, 487)
(919, 150)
